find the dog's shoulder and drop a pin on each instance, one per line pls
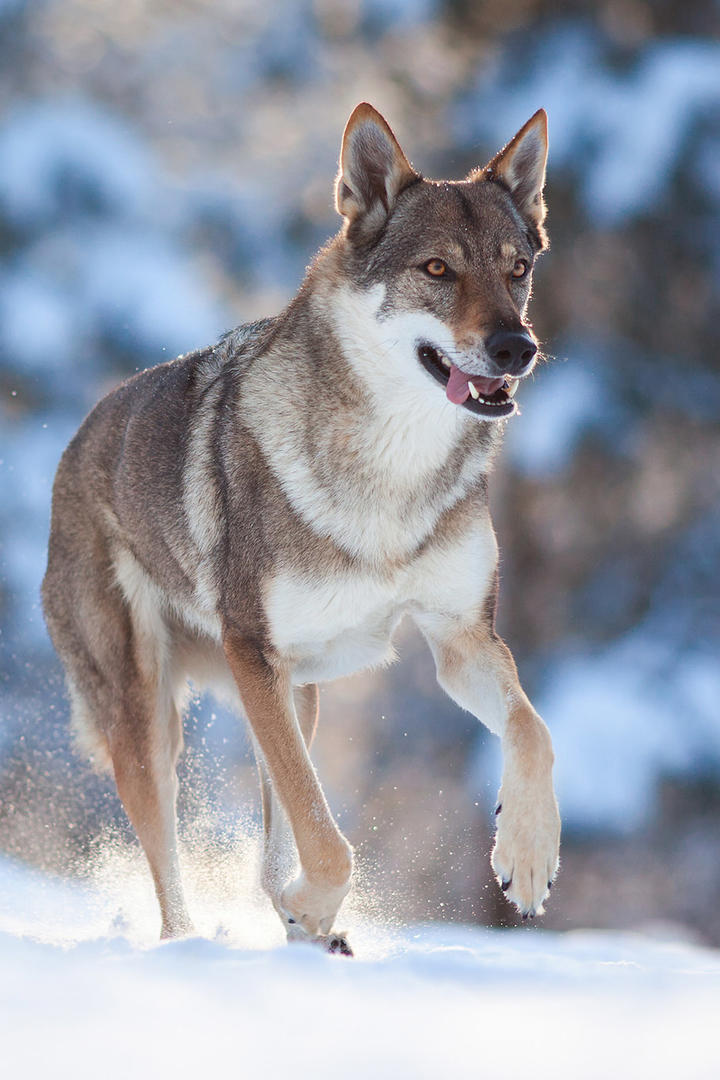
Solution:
(237, 348)
(454, 568)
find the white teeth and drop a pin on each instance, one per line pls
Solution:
(512, 387)
(445, 361)
(475, 393)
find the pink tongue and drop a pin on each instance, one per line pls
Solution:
(458, 390)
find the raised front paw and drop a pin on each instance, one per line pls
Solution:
(525, 857)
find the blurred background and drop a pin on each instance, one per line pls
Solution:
(166, 173)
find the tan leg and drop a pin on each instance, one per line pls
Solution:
(312, 900)
(477, 670)
(144, 758)
(307, 705)
(116, 652)
(279, 852)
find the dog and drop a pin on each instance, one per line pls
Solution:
(257, 517)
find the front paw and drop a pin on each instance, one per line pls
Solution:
(525, 857)
(311, 907)
(335, 942)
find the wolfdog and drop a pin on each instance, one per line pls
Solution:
(259, 515)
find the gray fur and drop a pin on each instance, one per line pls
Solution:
(196, 485)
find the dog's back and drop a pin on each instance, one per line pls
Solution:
(122, 482)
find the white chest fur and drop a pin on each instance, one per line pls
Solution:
(396, 442)
(326, 628)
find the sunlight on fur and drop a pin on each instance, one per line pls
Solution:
(112, 897)
(224, 895)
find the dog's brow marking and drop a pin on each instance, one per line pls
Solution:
(508, 251)
(465, 205)
(458, 249)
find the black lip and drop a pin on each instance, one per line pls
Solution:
(430, 360)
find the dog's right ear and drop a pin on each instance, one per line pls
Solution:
(373, 168)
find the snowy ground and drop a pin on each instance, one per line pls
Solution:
(84, 993)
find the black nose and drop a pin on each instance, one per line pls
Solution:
(510, 350)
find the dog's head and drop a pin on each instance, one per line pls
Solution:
(454, 259)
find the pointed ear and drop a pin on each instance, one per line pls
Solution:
(521, 167)
(373, 168)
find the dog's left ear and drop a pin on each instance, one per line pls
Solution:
(521, 167)
(373, 168)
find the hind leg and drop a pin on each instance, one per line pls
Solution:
(116, 651)
(144, 757)
(140, 726)
(279, 852)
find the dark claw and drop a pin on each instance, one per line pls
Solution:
(525, 917)
(505, 885)
(498, 808)
(291, 921)
(550, 885)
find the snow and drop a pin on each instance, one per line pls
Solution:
(80, 996)
(623, 131)
(29, 453)
(100, 263)
(149, 291)
(108, 256)
(542, 443)
(397, 13)
(39, 325)
(614, 718)
(68, 154)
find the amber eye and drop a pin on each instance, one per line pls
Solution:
(520, 268)
(436, 268)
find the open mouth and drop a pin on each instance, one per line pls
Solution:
(491, 398)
